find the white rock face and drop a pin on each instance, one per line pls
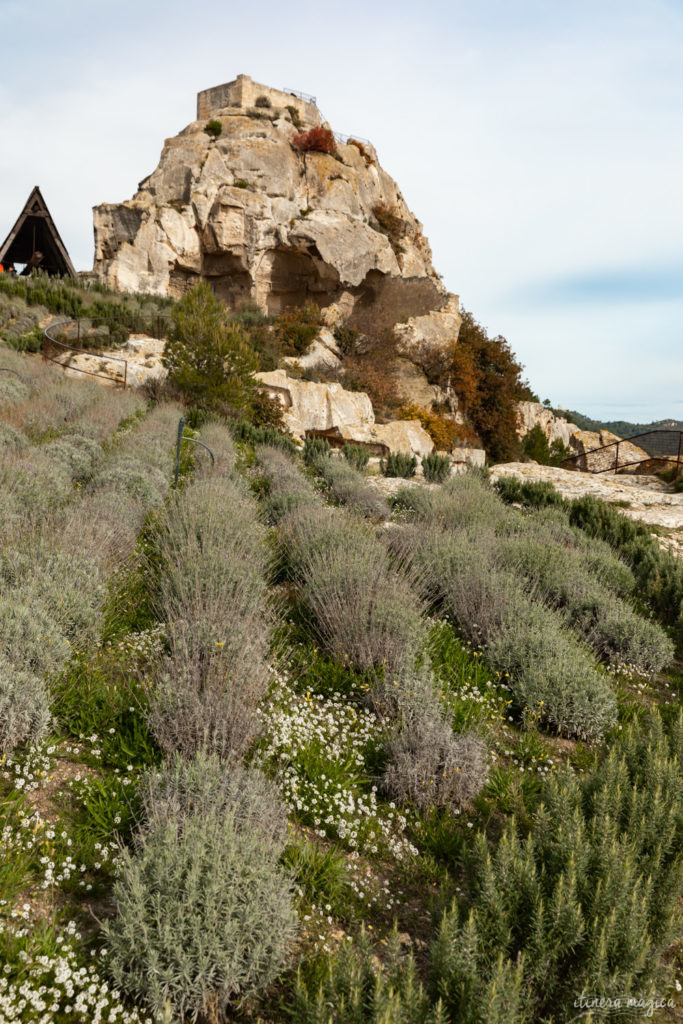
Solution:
(599, 451)
(329, 410)
(143, 356)
(267, 224)
(438, 329)
(468, 457)
(649, 500)
(407, 436)
(322, 354)
(529, 414)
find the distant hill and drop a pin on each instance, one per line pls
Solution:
(620, 427)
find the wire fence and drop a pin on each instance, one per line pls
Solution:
(98, 339)
(305, 96)
(652, 451)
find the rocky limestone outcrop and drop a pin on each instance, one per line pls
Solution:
(599, 452)
(267, 224)
(327, 410)
(323, 354)
(531, 414)
(645, 498)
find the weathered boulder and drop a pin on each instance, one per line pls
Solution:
(421, 337)
(599, 452)
(322, 354)
(469, 457)
(268, 224)
(407, 436)
(531, 414)
(328, 410)
(309, 406)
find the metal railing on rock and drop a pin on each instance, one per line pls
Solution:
(101, 333)
(305, 96)
(652, 451)
(346, 139)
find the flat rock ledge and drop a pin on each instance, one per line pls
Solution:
(649, 500)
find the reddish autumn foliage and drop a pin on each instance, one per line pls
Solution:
(316, 140)
(488, 381)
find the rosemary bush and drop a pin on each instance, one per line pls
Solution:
(357, 455)
(315, 448)
(399, 464)
(436, 468)
(354, 989)
(583, 902)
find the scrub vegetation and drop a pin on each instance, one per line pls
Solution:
(277, 748)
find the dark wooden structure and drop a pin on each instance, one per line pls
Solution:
(35, 242)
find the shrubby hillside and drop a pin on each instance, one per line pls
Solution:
(623, 428)
(277, 747)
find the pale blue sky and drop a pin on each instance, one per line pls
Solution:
(540, 143)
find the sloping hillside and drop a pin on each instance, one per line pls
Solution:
(278, 748)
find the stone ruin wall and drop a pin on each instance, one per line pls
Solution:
(243, 92)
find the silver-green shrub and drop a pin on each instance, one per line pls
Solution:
(213, 597)
(100, 419)
(550, 671)
(80, 454)
(463, 500)
(620, 634)
(67, 587)
(205, 785)
(24, 708)
(431, 766)
(12, 439)
(218, 438)
(37, 483)
(204, 910)
(362, 608)
(350, 487)
(12, 389)
(144, 483)
(563, 577)
(29, 639)
(289, 489)
(101, 526)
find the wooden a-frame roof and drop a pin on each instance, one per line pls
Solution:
(35, 241)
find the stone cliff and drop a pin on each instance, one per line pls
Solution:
(531, 414)
(268, 224)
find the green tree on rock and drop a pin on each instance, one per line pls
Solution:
(208, 357)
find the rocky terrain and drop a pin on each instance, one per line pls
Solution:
(268, 224)
(644, 498)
